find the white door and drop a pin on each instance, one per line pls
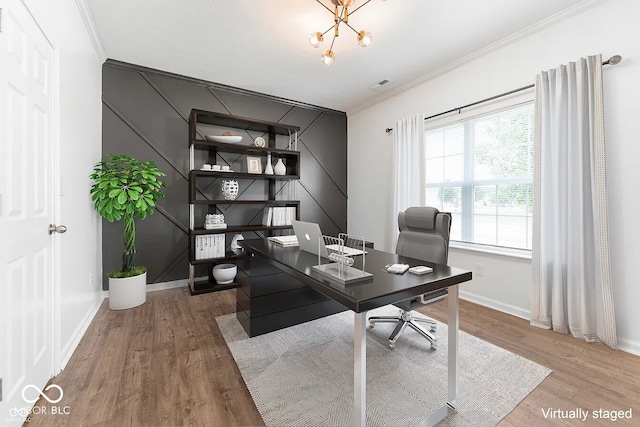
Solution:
(26, 210)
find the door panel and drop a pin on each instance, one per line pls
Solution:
(26, 209)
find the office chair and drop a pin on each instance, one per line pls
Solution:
(424, 234)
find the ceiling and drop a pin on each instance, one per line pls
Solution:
(262, 45)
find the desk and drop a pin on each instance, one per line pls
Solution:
(381, 290)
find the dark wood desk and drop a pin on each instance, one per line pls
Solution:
(383, 289)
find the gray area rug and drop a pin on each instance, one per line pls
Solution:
(303, 375)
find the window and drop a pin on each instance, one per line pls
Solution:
(480, 170)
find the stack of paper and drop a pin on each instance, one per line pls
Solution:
(284, 240)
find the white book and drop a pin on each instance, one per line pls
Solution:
(199, 247)
(291, 214)
(217, 246)
(280, 216)
(266, 216)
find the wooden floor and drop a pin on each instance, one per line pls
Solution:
(166, 364)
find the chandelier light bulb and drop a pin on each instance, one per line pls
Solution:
(364, 38)
(315, 39)
(328, 57)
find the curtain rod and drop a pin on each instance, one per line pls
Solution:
(611, 61)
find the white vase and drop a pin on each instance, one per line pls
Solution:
(268, 170)
(128, 292)
(235, 247)
(229, 189)
(280, 168)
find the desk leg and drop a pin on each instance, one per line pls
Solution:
(360, 368)
(453, 346)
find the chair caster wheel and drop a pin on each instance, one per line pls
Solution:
(432, 329)
(392, 345)
(371, 325)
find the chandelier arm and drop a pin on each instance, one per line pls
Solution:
(331, 11)
(329, 29)
(332, 42)
(354, 30)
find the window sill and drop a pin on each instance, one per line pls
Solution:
(493, 250)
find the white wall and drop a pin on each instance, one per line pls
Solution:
(608, 28)
(78, 133)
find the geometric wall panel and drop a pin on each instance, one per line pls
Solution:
(145, 114)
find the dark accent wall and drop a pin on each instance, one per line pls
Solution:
(145, 115)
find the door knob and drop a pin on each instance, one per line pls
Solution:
(57, 228)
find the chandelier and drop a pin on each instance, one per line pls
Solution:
(341, 15)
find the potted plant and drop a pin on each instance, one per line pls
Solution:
(125, 188)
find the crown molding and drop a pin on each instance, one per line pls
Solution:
(87, 18)
(539, 26)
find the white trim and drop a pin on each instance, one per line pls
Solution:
(168, 285)
(92, 31)
(522, 34)
(77, 335)
(496, 305)
(493, 250)
(57, 200)
(629, 346)
(625, 345)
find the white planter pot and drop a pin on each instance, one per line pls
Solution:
(128, 292)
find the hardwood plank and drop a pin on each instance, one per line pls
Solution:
(166, 363)
(587, 376)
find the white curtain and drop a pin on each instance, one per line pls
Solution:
(408, 167)
(571, 277)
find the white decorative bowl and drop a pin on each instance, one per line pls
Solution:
(229, 139)
(224, 273)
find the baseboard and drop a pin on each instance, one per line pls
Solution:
(625, 345)
(77, 335)
(496, 305)
(629, 346)
(168, 285)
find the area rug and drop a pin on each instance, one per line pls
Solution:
(303, 375)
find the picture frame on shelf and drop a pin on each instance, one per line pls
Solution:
(254, 165)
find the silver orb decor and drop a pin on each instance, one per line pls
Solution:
(229, 189)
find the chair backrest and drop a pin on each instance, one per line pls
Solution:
(424, 234)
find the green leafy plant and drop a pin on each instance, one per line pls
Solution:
(126, 188)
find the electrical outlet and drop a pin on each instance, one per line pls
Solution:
(479, 269)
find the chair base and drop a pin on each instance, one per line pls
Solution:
(403, 320)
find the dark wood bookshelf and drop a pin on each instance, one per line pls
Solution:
(291, 160)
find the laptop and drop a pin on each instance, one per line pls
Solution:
(308, 234)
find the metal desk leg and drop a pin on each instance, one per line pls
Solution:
(360, 368)
(453, 346)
